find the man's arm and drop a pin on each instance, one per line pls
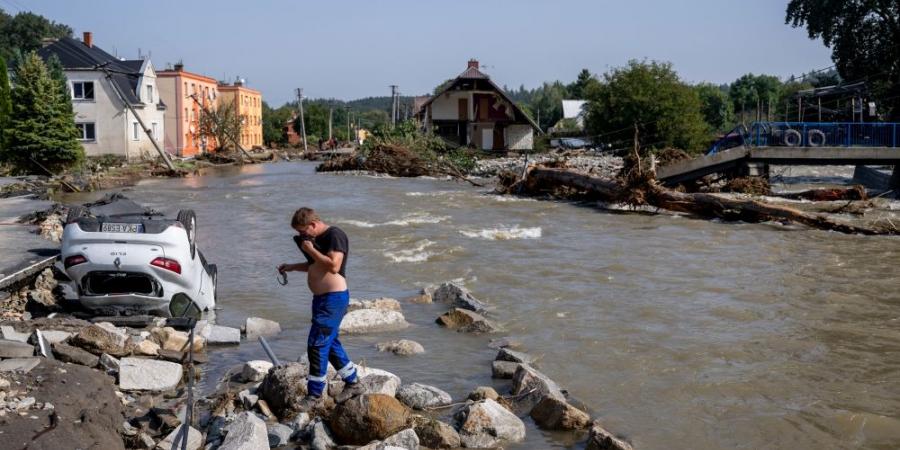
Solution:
(332, 261)
(299, 267)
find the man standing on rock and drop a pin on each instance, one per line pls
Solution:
(326, 249)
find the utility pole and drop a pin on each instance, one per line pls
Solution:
(330, 116)
(302, 120)
(394, 105)
(349, 137)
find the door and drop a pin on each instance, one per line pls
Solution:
(487, 138)
(463, 109)
(499, 143)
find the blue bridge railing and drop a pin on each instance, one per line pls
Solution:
(810, 134)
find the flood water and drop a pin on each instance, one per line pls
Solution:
(678, 333)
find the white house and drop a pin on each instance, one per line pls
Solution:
(100, 84)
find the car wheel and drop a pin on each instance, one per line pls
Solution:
(214, 274)
(75, 213)
(189, 221)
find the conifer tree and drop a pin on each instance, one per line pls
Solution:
(41, 126)
(5, 102)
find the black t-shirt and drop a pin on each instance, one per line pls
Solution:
(332, 240)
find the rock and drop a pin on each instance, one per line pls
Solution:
(498, 343)
(146, 348)
(283, 388)
(146, 441)
(422, 396)
(466, 321)
(374, 381)
(458, 296)
(255, 370)
(506, 354)
(180, 357)
(255, 327)
(219, 335)
(402, 347)
(600, 439)
(23, 365)
(503, 370)
(55, 336)
(15, 349)
(554, 414)
(10, 334)
(421, 299)
(247, 432)
(265, 410)
(531, 386)
(482, 393)
(487, 424)
(138, 374)
(4, 384)
(320, 437)
(373, 320)
(98, 340)
(109, 363)
(140, 321)
(279, 434)
(366, 418)
(436, 434)
(300, 425)
(247, 399)
(406, 439)
(194, 441)
(75, 355)
(383, 303)
(172, 339)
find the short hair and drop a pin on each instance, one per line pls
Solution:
(303, 217)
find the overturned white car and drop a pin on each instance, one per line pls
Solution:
(123, 259)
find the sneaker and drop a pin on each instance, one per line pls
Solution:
(350, 390)
(309, 403)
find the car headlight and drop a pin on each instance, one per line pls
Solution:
(182, 306)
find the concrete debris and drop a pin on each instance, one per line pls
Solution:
(137, 374)
(75, 355)
(99, 339)
(15, 349)
(256, 326)
(255, 370)
(422, 396)
(246, 432)
(372, 321)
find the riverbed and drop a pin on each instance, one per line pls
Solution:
(679, 333)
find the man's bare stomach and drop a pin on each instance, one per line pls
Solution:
(321, 281)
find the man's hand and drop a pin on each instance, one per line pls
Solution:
(284, 268)
(307, 246)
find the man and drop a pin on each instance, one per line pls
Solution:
(326, 249)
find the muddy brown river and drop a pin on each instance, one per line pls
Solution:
(678, 333)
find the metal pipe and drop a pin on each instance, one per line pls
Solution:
(269, 352)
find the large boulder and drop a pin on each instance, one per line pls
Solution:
(372, 321)
(99, 339)
(422, 396)
(256, 326)
(483, 392)
(75, 355)
(173, 440)
(555, 414)
(373, 381)
(283, 388)
(402, 347)
(436, 434)
(406, 439)
(466, 321)
(531, 386)
(503, 370)
(367, 418)
(279, 434)
(506, 354)
(600, 439)
(15, 349)
(456, 295)
(219, 335)
(138, 374)
(378, 303)
(172, 339)
(488, 424)
(247, 432)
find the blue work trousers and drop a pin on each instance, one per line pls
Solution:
(323, 345)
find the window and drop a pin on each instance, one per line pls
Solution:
(153, 130)
(87, 131)
(185, 88)
(186, 114)
(149, 93)
(83, 90)
(135, 131)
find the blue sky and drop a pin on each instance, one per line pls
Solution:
(351, 49)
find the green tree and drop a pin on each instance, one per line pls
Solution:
(864, 37)
(5, 102)
(41, 126)
(582, 84)
(273, 124)
(650, 95)
(716, 106)
(547, 103)
(754, 94)
(24, 32)
(223, 122)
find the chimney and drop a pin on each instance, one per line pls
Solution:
(88, 39)
(179, 67)
(473, 64)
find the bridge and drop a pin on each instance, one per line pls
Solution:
(749, 151)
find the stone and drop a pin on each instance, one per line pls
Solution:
(554, 414)
(406, 439)
(531, 386)
(15, 349)
(498, 343)
(181, 357)
(26, 403)
(219, 335)
(247, 399)
(283, 388)
(384, 303)
(10, 334)
(482, 393)
(138, 374)
(506, 354)
(146, 441)
(372, 320)
(140, 321)
(600, 439)
(421, 299)
(109, 363)
(503, 370)
(255, 370)
(466, 321)
(367, 418)
(300, 425)
(458, 296)
(23, 365)
(146, 348)
(172, 339)
(265, 410)
(402, 347)
(436, 434)
(173, 440)
(75, 355)
(55, 336)
(320, 437)
(246, 432)
(374, 381)
(487, 424)
(279, 434)
(98, 340)
(256, 326)
(422, 396)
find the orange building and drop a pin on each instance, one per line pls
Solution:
(186, 94)
(248, 105)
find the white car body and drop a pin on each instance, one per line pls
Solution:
(133, 272)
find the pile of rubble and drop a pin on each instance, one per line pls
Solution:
(606, 166)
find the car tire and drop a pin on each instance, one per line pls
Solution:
(75, 213)
(213, 271)
(189, 221)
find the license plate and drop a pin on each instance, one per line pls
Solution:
(111, 227)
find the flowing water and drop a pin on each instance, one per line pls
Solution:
(678, 333)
